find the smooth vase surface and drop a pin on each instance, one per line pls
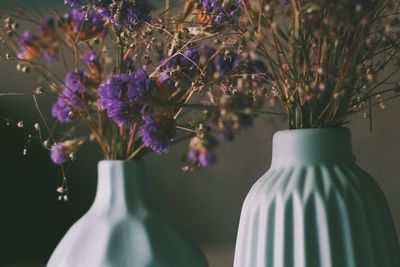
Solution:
(315, 208)
(119, 230)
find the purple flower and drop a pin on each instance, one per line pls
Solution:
(72, 3)
(220, 11)
(137, 13)
(47, 23)
(27, 46)
(86, 25)
(188, 60)
(31, 47)
(157, 132)
(90, 57)
(201, 151)
(123, 96)
(61, 110)
(230, 128)
(94, 67)
(74, 82)
(131, 14)
(112, 95)
(225, 62)
(207, 158)
(58, 154)
(227, 134)
(139, 86)
(70, 98)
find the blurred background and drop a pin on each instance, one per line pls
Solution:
(205, 204)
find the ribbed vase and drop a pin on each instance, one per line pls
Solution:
(315, 208)
(120, 231)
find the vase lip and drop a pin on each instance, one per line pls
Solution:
(120, 161)
(314, 130)
(312, 147)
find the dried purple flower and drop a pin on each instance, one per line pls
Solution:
(61, 110)
(62, 152)
(187, 61)
(90, 57)
(207, 158)
(123, 96)
(112, 95)
(139, 86)
(27, 47)
(157, 132)
(221, 11)
(74, 82)
(137, 13)
(70, 99)
(131, 14)
(92, 61)
(85, 25)
(72, 3)
(201, 151)
(225, 62)
(58, 154)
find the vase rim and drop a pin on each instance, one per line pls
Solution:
(310, 130)
(120, 161)
(312, 147)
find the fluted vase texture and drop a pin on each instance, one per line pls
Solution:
(120, 231)
(315, 208)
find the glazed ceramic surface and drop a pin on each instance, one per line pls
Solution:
(119, 231)
(315, 208)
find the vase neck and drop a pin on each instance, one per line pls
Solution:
(121, 186)
(312, 147)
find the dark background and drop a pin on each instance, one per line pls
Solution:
(205, 204)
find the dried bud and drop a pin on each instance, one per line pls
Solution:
(72, 156)
(46, 143)
(39, 90)
(26, 69)
(185, 168)
(60, 190)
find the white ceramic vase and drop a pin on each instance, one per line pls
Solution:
(315, 208)
(119, 230)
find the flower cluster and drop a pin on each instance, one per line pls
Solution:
(201, 151)
(124, 95)
(218, 12)
(45, 45)
(131, 14)
(71, 98)
(157, 132)
(82, 25)
(148, 84)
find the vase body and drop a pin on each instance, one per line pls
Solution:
(119, 230)
(315, 208)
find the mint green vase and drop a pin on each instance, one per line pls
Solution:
(315, 208)
(120, 231)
